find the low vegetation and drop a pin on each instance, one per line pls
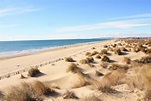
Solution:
(73, 68)
(118, 51)
(91, 98)
(33, 72)
(69, 95)
(28, 92)
(69, 59)
(105, 58)
(127, 60)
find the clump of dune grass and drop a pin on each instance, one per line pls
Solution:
(118, 66)
(33, 72)
(91, 98)
(43, 89)
(93, 48)
(118, 51)
(127, 60)
(69, 95)
(98, 56)
(136, 49)
(97, 73)
(148, 51)
(94, 53)
(73, 68)
(87, 60)
(110, 79)
(83, 80)
(25, 92)
(88, 53)
(90, 59)
(1, 95)
(105, 58)
(104, 64)
(69, 59)
(35, 91)
(104, 51)
(145, 59)
(106, 89)
(123, 49)
(105, 46)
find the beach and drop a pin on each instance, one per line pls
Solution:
(53, 67)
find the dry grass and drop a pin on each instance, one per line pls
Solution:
(88, 53)
(28, 92)
(145, 59)
(123, 49)
(118, 51)
(148, 51)
(69, 95)
(98, 56)
(1, 95)
(109, 79)
(104, 64)
(127, 60)
(87, 60)
(118, 66)
(73, 68)
(104, 51)
(33, 72)
(105, 58)
(83, 80)
(69, 59)
(94, 53)
(43, 89)
(91, 98)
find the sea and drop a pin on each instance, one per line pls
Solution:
(14, 48)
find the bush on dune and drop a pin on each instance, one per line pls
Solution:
(33, 72)
(73, 68)
(69, 95)
(118, 51)
(69, 59)
(127, 60)
(104, 51)
(28, 92)
(105, 58)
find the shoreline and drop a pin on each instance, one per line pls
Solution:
(17, 70)
(49, 49)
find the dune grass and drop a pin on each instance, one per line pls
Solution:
(33, 72)
(28, 92)
(73, 68)
(91, 98)
(69, 95)
(69, 59)
(105, 58)
(127, 60)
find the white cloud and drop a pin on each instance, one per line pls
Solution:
(114, 24)
(15, 10)
(135, 16)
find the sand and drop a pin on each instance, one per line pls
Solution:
(53, 66)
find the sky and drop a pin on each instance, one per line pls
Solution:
(72, 19)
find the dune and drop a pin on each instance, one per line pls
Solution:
(53, 65)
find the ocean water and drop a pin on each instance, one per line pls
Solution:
(13, 48)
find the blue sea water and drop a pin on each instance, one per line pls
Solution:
(12, 48)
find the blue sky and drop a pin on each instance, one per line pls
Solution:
(64, 19)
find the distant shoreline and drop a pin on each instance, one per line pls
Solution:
(46, 50)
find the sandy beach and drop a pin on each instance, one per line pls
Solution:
(53, 67)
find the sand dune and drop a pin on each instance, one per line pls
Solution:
(54, 72)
